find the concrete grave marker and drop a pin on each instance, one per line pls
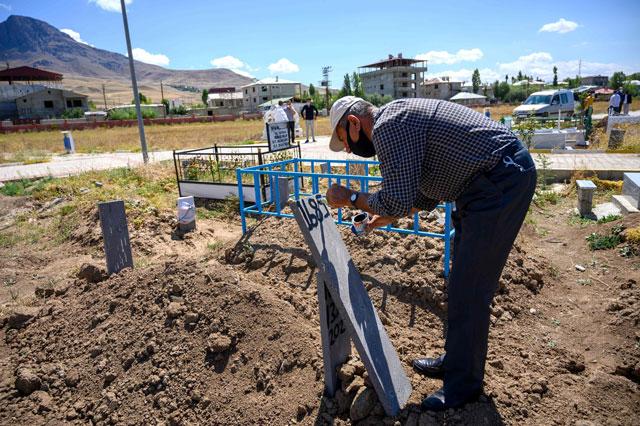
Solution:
(336, 342)
(338, 274)
(115, 234)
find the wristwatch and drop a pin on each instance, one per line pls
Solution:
(353, 198)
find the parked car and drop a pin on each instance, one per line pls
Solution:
(547, 103)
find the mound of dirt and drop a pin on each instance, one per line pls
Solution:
(406, 266)
(181, 344)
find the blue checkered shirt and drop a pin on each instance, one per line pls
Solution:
(430, 151)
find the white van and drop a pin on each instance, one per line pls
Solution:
(547, 103)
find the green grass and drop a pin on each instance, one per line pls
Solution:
(23, 187)
(576, 219)
(546, 197)
(605, 241)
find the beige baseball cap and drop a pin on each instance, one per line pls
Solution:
(338, 109)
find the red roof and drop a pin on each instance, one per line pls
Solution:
(28, 74)
(604, 91)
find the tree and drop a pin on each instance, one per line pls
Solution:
(205, 96)
(356, 83)
(555, 76)
(573, 82)
(617, 80)
(506, 78)
(143, 99)
(165, 102)
(475, 80)
(346, 86)
(312, 90)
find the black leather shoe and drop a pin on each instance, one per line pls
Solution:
(434, 402)
(437, 402)
(433, 367)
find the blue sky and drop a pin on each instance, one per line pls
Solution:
(295, 39)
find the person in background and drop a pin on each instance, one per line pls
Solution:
(279, 115)
(614, 103)
(310, 113)
(291, 121)
(587, 107)
(626, 101)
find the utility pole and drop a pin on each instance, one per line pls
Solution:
(162, 98)
(104, 96)
(136, 95)
(326, 83)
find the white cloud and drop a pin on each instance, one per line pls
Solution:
(234, 64)
(150, 58)
(443, 57)
(6, 7)
(110, 5)
(560, 26)
(536, 64)
(283, 66)
(486, 75)
(74, 35)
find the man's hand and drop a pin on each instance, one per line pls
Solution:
(379, 221)
(338, 196)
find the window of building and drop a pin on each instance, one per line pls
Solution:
(404, 74)
(264, 98)
(77, 103)
(435, 86)
(48, 104)
(24, 100)
(404, 94)
(264, 88)
(254, 89)
(255, 100)
(382, 87)
(69, 103)
(246, 91)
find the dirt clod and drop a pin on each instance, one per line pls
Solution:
(27, 381)
(92, 273)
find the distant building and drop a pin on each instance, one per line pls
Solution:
(267, 89)
(225, 103)
(439, 88)
(465, 98)
(595, 80)
(397, 77)
(36, 102)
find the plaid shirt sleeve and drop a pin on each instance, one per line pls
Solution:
(400, 149)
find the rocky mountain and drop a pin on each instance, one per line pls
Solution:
(29, 41)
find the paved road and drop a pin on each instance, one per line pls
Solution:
(604, 114)
(65, 165)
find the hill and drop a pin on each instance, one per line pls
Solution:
(29, 41)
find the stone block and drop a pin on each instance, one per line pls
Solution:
(631, 187)
(115, 234)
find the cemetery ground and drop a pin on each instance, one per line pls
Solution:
(213, 328)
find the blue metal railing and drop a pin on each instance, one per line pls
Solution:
(292, 169)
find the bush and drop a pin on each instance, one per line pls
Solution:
(130, 114)
(515, 95)
(73, 113)
(180, 110)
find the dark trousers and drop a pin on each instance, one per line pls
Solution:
(291, 130)
(487, 220)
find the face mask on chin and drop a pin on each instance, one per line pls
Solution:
(363, 147)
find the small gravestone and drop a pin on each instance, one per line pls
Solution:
(283, 191)
(277, 136)
(586, 188)
(186, 213)
(354, 309)
(115, 234)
